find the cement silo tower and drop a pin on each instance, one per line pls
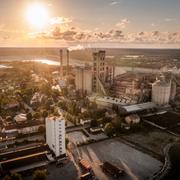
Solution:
(83, 79)
(161, 91)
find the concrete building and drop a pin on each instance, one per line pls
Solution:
(28, 127)
(83, 79)
(98, 67)
(24, 160)
(161, 92)
(20, 118)
(136, 108)
(102, 72)
(55, 134)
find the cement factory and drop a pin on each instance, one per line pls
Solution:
(102, 83)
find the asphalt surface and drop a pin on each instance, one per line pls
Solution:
(136, 164)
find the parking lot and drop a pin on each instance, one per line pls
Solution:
(136, 164)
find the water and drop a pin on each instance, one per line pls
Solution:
(76, 62)
(5, 66)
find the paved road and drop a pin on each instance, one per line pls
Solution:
(28, 107)
(76, 128)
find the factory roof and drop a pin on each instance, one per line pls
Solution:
(25, 163)
(139, 107)
(23, 152)
(24, 159)
(117, 101)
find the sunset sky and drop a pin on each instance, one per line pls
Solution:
(124, 23)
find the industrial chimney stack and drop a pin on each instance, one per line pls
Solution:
(67, 71)
(61, 63)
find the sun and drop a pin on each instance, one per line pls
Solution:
(37, 15)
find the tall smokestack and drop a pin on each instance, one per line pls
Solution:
(67, 62)
(113, 76)
(61, 62)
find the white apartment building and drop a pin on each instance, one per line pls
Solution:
(55, 134)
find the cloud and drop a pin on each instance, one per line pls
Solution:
(169, 19)
(78, 47)
(59, 20)
(74, 34)
(154, 25)
(123, 23)
(114, 3)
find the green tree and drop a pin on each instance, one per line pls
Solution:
(29, 116)
(55, 93)
(93, 105)
(36, 115)
(44, 113)
(13, 176)
(8, 118)
(39, 175)
(16, 176)
(65, 91)
(62, 105)
(7, 177)
(41, 129)
(49, 102)
(94, 123)
(109, 129)
(117, 123)
(67, 142)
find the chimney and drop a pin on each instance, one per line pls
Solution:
(67, 62)
(61, 63)
(113, 76)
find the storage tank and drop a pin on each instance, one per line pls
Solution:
(161, 91)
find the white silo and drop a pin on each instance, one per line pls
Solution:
(161, 91)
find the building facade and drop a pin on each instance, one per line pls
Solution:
(98, 68)
(102, 72)
(55, 134)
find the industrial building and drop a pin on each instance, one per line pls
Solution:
(83, 79)
(161, 92)
(102, 73)
(23, 160)
(98, 68)
(55, 134)
(96, 78)
(137, 108)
